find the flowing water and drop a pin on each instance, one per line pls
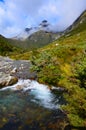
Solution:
(29, 105)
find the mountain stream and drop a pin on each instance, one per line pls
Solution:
(28, 105)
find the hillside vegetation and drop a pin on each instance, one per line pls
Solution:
(6, 49)
(63, 64)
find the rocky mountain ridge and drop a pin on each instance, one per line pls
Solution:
(43, 26)
(80, 20)
(40, 36)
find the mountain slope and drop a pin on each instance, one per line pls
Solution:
(63, 38)
(35, 37)
(6, 48)
(36, 40)
(77, 25)
(44, 26)
(67, 49)
(38, 37)
(63, 63)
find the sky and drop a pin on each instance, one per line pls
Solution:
(15, 15)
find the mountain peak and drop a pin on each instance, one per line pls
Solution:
(44, 23)
(28, 29)
(47, 27)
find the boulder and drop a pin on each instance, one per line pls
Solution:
(7, 80)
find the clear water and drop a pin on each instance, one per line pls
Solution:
(34, 106)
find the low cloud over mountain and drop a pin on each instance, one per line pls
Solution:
(15, 15)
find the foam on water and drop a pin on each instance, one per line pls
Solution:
(42, 95)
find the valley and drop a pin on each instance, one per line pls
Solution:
(55, 60)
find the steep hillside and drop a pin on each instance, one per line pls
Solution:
(6, 48)
(67, 49)
(63, 63)
(77, 25)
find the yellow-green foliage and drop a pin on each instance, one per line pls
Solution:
(66, 69)
(21, 55)
(63, 63)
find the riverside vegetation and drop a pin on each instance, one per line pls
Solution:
(62, 63)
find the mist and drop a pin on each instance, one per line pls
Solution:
(15, 15)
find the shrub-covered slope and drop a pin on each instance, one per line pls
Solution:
(6, 48)
(63, 63)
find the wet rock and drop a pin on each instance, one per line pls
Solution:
(12, 80)
(7, 80)
(19, 87)
(17, 68)
(14, 70)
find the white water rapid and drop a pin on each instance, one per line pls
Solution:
(41, 94)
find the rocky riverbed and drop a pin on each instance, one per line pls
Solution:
(12, 70)
(25, 104)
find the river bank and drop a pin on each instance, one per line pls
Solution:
(12, 70)
(26, 104)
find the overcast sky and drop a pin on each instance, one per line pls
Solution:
(15, 15)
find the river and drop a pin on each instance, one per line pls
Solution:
(29, 105)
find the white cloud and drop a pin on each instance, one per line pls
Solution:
(15, 15)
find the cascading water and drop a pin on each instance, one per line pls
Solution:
(27, 102)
